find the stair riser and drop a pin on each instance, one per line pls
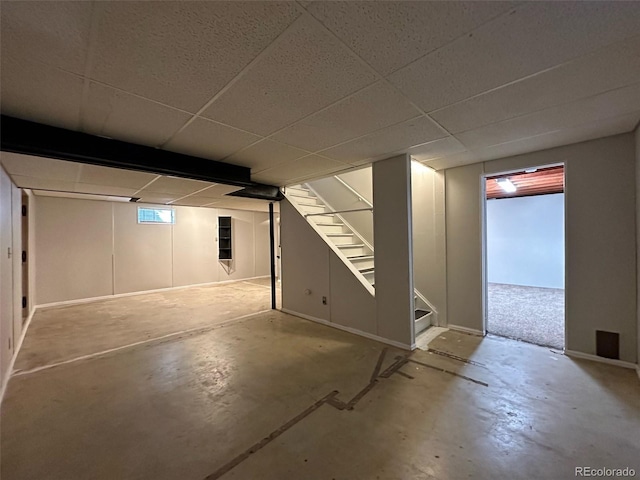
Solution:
(359, 264)
(331, 228)
(423, 323)
(363, 264)
(312, 208)
(300, 192)
(353, 251)
(343, 240)
(370, 277)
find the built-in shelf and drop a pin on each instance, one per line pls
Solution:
(224, 238)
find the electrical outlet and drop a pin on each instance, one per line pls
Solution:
(324, 300)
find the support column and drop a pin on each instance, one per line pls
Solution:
(393, 235)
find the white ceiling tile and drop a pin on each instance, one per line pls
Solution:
(182, 53)
(156, 199)
(217, 191)
(389, 35)
(192, 202)
(96, 175)
(40, 93)
(537, 36)
(247, 204)
(581, 133)
(39, 167)
(207, 139)
(265, 154)
(53, 33)
(116, 114)
(391, 139)
(307, 167)
(373, 108)
(306, 70)
(606, 69)
(452, 160)
(104, 190)
(435, 149)
(607, 105)
(43, 183)
(173, 186)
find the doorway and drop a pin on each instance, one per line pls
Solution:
(525, 255)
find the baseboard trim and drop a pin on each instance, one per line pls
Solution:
(608, 361)
(355, 331)
(470, 331)
(16, 351)
(80, 301)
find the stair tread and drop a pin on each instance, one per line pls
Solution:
(366, 270)
(419, 313)
(361, 257)
(339, 234)
(331, 224)
(350, 245)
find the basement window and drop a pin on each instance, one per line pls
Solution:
(155, 215)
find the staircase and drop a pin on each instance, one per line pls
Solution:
(347, 241)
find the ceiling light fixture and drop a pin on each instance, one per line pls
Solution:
(530, 170)
(506, 185)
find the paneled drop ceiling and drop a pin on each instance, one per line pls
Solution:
(297, 90)
(46, 176)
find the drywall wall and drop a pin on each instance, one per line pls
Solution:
(339, 197)
(600, 240)
(393, 255)
(428, 251)
(305, 265)
(465, 297)
(89, 249)
(637, 141)
(6, 276)
(525, 241)
(311, 271)
(74, 245)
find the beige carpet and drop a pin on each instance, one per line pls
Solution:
(531, 314)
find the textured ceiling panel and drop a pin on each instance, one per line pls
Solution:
(96, 175)
(175, 186)
(312, 165)
(216, 191)
(208, 139)
(452, 160)
(609, 68)
(182, 53)
(53, 33)
(581, 133)
(266, 154)
(115, 114)
(401, 31)
(38, 167)
(371, 109)
(610, 104)
(389, 140)
(40, 93)
(306, 69)
(436, 149)
(512, 47)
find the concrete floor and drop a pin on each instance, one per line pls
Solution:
(196, 405)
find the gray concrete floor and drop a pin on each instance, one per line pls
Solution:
(197, 405)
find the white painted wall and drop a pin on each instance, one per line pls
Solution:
(429, 268)
(637, 140)
(600, 238)
(525, 240)
(88, 249)
(10, 272)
